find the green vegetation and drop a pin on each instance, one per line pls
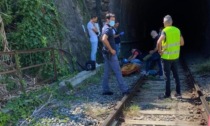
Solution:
(84, 11)
(95, 112)
(30, 24)
(203, 68)
(133, 110)
(9, 82)
(23, 106)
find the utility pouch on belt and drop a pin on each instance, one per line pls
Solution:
(106, 52)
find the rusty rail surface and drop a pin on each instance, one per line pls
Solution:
(120, 105)
(197, 90)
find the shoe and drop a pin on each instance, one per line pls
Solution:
(97, 65)
(164, 96)
(178, 95)
(107, 93)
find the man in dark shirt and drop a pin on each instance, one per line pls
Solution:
(110, 58)
(136, 57)
(117, 35)
(155, 57)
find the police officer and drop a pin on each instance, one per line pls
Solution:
(169, 48)
(110, 57)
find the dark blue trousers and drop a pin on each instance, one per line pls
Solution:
(154, 58)
(168, 66)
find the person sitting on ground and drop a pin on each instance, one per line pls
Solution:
(135, 57)
(155, 56)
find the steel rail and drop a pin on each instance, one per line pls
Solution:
(197, 90)
(120, 105)
(114, 115)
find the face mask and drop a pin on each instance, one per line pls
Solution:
(112, 23)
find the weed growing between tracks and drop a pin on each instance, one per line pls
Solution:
(133, 110)
(96, 112)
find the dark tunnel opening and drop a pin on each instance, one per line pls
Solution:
(139, 17)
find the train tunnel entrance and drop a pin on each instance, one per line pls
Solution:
(139, 17)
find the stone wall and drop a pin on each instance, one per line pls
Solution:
(75, 15)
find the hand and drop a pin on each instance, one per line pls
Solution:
(160, 52)
(151, 51)
(113, 52)
(122, 33)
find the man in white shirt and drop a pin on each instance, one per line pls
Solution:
(93, 34)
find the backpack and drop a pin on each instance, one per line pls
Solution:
(90, 65)
(130, 68)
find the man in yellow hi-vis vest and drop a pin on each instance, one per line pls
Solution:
(169, 48)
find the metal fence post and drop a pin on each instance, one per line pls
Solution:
(19, 73)
(54, 63)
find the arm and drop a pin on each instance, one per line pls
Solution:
(115, 36)
(106, 43)
(97, 27)
(154, 50)
(132, 57)
(115, 31)
(182, 41)
(94, 28)
(156, 45)
(159, 44)
(129, 57)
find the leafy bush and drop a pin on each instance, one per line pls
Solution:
(31, 24)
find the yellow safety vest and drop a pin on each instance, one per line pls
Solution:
(171, 45)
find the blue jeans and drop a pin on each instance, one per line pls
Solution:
(171, 65)
(136, 61)
(155, 58)
(111, 63)
(117, 49)
(94, 46)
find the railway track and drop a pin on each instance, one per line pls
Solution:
(144, 107)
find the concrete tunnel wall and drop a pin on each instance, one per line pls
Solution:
(139, 17)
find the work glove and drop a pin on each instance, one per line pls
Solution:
(122, 33)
